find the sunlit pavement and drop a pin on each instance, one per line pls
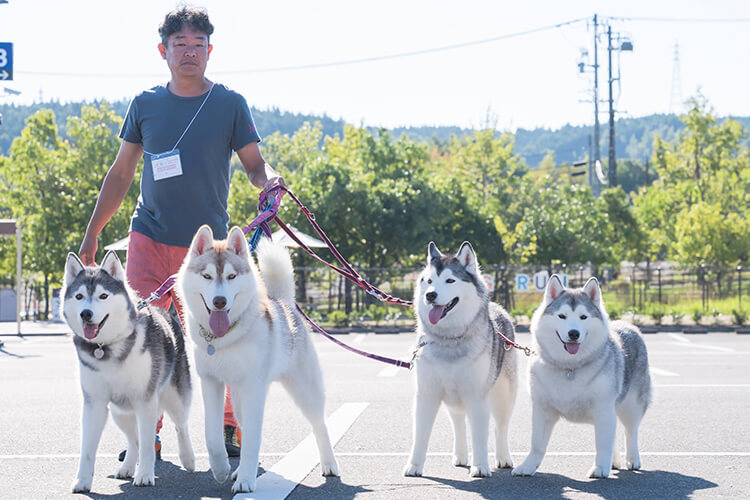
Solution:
(695, 441)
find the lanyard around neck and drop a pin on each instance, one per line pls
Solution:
(189, 124)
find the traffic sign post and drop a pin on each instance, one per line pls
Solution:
(6, 61)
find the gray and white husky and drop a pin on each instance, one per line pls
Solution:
(587, 370)
(247, 334)
(130, 361)
(462, 361)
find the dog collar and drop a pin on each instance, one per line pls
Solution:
(209, 337)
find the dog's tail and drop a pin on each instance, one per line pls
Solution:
(277, 270)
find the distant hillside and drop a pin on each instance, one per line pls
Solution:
(634, 136)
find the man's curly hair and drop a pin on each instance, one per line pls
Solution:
(194, 17)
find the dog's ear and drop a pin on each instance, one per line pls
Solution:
(554, 289)
(592, 290)
(237, 242)
(202, 241)
(73, 267)
(466, 256)
(111, 264)
(433, 252)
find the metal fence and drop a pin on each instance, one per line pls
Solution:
(518, 288)
(631, 286)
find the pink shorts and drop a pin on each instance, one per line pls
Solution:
(149, 264)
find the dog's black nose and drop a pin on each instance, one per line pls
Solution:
(431, 296)
(220, 302)
(87, 314)
(573, 334)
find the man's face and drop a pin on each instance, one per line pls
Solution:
(186, 52)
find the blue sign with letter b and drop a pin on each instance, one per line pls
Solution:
(6, 61)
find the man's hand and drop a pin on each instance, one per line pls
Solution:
(87, 252)
(273, 182)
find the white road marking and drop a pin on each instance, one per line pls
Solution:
(389, 371)
(682, 339)
(360, 337)
(679, 337)
(663, 373)
(285, 475)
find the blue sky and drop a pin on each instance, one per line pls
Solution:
(91, 49)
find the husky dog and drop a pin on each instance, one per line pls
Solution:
(587, 370)
(133, 361)
(247, 334)
(462, 361)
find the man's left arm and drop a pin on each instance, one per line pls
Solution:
(260, 173)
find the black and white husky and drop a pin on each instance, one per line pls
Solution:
(461, 361)
(130, 361)
(587, 370)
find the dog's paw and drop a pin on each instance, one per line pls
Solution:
(81, 485)
(525, 469)
(188, 460)
(144, 479)
(413, 470)
(480, 471)
(599, 472)
(504, 463)
(460, 460)
(244, 484)
(633, 463)
(220, 468)
(125, 471)
(616, 462)
(329, 469)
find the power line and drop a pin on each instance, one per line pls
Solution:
(333, 63)
(680, 19)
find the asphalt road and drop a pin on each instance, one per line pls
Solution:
(695, 441)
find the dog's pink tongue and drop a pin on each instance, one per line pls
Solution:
(572, 347)
(219, 322)
(90, 330)
(436, 313)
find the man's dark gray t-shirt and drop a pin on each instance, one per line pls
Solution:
(171, 210)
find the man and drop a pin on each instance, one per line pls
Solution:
(185, 131)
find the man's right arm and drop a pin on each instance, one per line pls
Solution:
(114, 188)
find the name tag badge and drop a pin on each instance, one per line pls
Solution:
(166, 165)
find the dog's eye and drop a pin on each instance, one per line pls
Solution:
(79, 296)
(429, 281)
(583, 316)
(206, 276)
(103, 296)
(231, 276)
(450, 280)
(561, 316)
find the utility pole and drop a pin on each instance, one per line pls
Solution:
(612, 166)
(675, 95)
(595, 186)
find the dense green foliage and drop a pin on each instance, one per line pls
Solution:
(633, 139)
(381, 198)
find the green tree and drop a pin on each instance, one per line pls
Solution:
(53, 185)
(697, 209)
(36, 196)
(561, 223)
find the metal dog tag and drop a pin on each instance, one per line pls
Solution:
(98, 353)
